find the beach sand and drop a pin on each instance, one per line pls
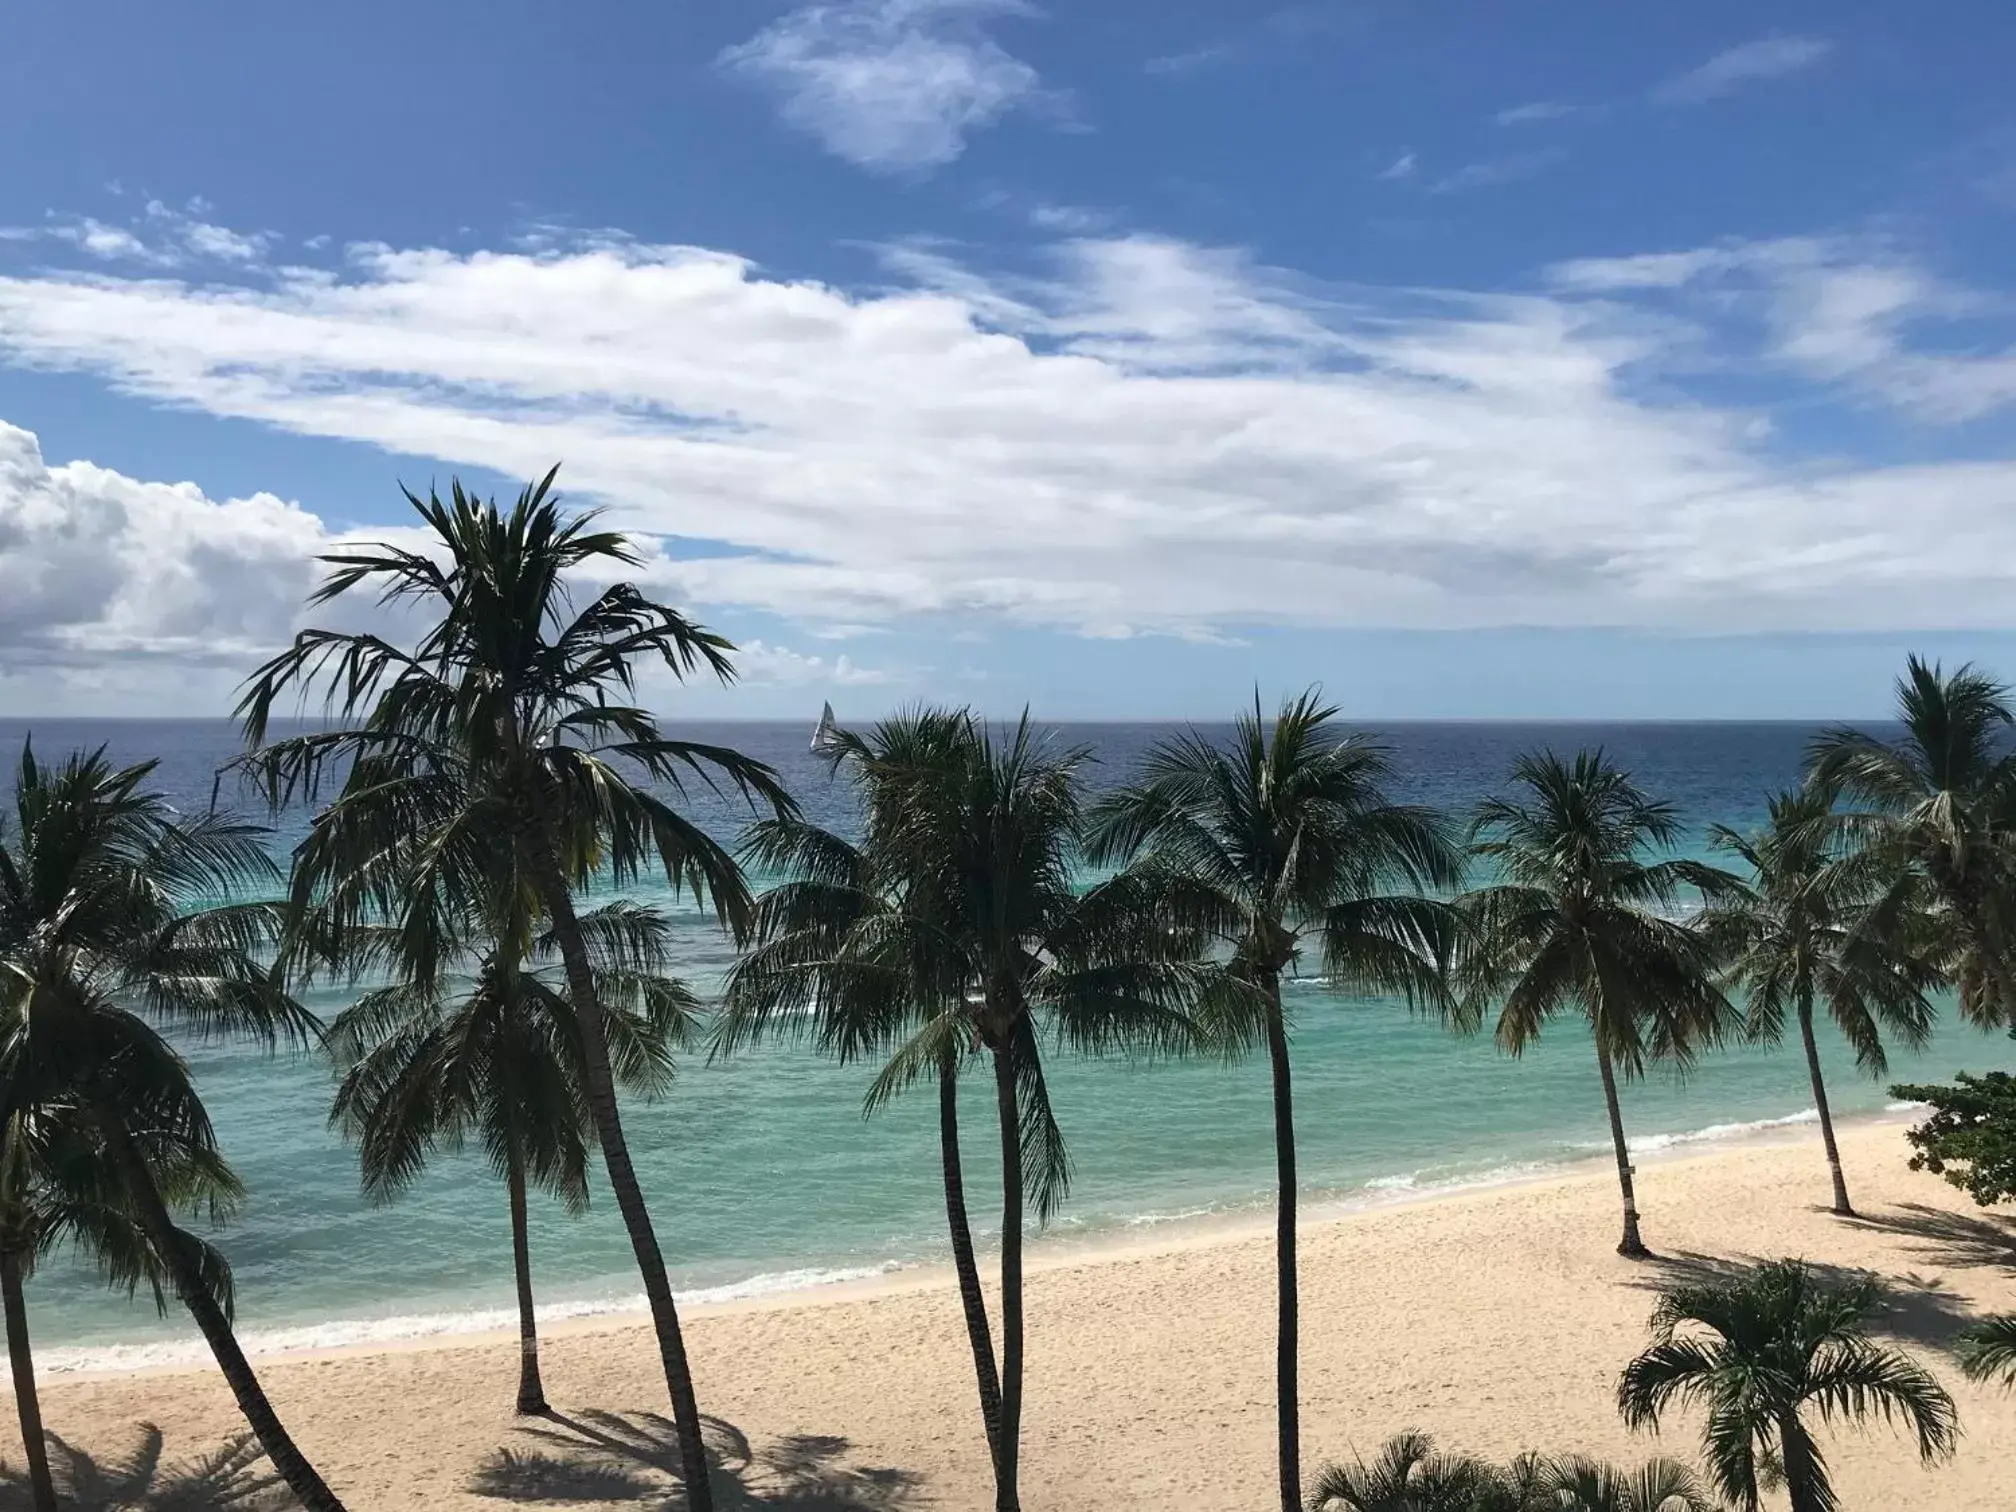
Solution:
(1496, 1319)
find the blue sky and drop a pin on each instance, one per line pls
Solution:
(1526, 360)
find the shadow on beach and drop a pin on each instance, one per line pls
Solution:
(1975, 1241)
(1918, 1309)
(633, 1457)
(232, 1478)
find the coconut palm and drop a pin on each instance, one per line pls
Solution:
(494, 1052)
(1942, 802)
(1988, 1350)
(1817, 928)
(510, 719)
(1576, 1484)
(1579, 922)
(1283, 837)
(955, 931)
(100, 952)
(1762, 1350)
(57, 1187)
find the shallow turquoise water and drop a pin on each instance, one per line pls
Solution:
(762, 1173)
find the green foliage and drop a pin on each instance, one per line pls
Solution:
(1988, 1350)
(1760, 1351)
(1411, 1475)
(1940, 806)
(1970, 1135)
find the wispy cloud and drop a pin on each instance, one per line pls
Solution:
(1538, 110)
(160, 236)
(894, 86)
(1504, 170)
(1401, 167)
(1765, 58)
(1184, 64)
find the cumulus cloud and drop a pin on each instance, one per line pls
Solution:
(1765, 58)
(1136, 435)
(889, 85)
(759, 661)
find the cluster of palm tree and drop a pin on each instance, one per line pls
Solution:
(482, 787)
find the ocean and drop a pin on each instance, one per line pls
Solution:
(763, 1176)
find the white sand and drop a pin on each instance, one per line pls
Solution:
(1495, 1319)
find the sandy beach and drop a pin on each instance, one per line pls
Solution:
(1496, 1319)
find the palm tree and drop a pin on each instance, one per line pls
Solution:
(1988, 1350)
(1816, 926)
(1760, 1350)
(1576, 1484)
(1579, 922)
(57, 1187)
(1285, 835)
(510, 720)
(1411, 1475)
(829, 936)
(956, 931)
(98, 955)
(1942, 802)
(496, 1052)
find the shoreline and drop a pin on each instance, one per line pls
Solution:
(1112, 1243)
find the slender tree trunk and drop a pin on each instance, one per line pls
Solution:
(1008, 1443)
(968, 1269)
(1631, 1247)
(170, 1244)
(1287, 1321)
(531, 1390)
(1803, 1472)
(1841, 1203)
(42, 1489)
(537, 851)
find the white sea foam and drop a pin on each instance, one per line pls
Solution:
(343, 1333)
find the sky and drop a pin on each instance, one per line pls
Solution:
(1548, 359)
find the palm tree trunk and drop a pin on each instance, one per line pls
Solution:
(1841, 1203)
(26, 1399)
(1805, 1479)
(531, 1390)
(1631, 1247)
(1287, 1320)
(970, 1296)
(544, 868)
(1007, 1449)
(171, 1246)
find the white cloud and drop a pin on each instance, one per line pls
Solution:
(164, 238)
(1400, 168)
(758, 661)
(1145, 436)
(890, 85)
(1765, 58)
(1538, 110)
(1504, 170)
(1184, 65)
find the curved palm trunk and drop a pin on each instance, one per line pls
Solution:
(601, 1087)
(168, 1243)
(27, 1400)
(531, 1390)
(1631, 1247)
(970, 1295)
(1805, 1479)
(1841, 1203)
(1008, 1444)
(1287, 1387)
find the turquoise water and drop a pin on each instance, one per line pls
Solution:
(762, 1174)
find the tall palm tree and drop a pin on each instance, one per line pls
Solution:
(1761, 1350)
(1942, 802)
(58, 1187)
(1988, 1350)
(495, 1052)
(965, 936)
(1580, 921)
(509, 719)
(1814, 927)
(99, 953)
(1287, 835)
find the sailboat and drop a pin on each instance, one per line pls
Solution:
(827, 736)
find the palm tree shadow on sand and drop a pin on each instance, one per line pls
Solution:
(1976, 1241)
(633, 1457)
(1918, 1309)
(231, 1478)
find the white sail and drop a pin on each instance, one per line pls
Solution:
(823, 738)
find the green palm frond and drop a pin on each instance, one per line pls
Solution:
(1988, 1350)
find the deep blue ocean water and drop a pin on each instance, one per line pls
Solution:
(762, 1173)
